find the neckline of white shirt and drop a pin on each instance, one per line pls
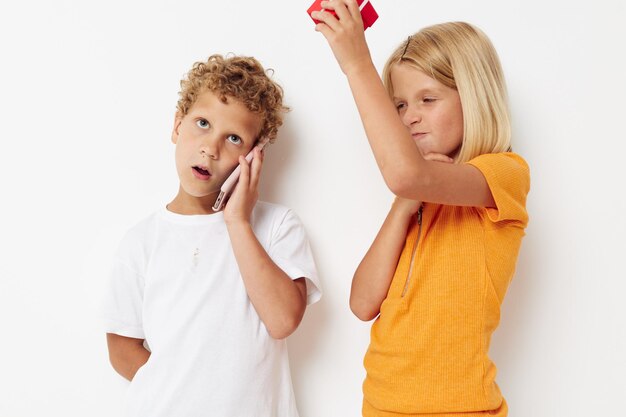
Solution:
(191, 219)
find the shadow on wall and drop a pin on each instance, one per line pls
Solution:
(515, 334)
(279, 163)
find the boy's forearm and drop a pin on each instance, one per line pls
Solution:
(394, 150)
(278, 300)
(126, 355)
(373, 276)
(133, 362)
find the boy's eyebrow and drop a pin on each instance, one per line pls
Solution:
(252, 138)
(253, 133)
(246, 138)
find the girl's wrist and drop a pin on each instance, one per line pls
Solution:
(361, 67)
(404, 207)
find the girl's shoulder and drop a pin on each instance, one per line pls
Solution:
(510, 160)
(508, 178)
(504, 167)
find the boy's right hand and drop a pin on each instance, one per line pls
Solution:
(239, 206)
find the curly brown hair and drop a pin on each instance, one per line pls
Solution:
(239, 77)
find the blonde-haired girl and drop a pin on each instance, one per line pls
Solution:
(437, 272)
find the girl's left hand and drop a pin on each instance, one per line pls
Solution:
(239, 206)
(439, 157)
(344, 33)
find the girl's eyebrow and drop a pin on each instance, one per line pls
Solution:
(423, 91)
(428, 90)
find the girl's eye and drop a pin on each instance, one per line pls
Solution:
(234, 139)
(429, 100)
(399, 106)
(202, 124)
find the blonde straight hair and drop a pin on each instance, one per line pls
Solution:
(462, 57)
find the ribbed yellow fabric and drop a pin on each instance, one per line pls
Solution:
(428, 354)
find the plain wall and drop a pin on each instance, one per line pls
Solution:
(87, 99)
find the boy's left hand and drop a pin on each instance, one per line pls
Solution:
(345, 34)
(239, 206)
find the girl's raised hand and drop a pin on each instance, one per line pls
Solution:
(344, 33)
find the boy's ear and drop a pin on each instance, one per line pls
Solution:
(177, 121)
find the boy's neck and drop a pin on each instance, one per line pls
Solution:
(186, 204)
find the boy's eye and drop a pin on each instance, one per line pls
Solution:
(429, 99)
(234, 139)
(399, 106)
(202, 124)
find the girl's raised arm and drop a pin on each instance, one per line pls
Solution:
(404, 169)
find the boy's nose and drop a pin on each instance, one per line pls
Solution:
(210, 148)
(206, 153)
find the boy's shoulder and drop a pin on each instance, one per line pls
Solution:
(271, 216)
(134, 241)
(143, 227)
(265, 209)
(274, 214)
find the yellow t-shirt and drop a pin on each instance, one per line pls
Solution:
(429, 345)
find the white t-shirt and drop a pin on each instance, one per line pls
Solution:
(176, 284)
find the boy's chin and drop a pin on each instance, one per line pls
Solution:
(192, 192)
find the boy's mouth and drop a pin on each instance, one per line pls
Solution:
(201, 173)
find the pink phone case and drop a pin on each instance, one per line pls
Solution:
(230, 182)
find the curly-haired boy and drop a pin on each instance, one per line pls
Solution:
(199, 303)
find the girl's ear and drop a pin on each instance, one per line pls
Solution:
(177, 121)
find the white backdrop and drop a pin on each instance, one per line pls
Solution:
(87, 97)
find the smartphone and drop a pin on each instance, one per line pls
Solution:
(231, 181)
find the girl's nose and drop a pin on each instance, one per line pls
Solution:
(411, 116)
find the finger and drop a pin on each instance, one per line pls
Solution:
(353, 8)
(438, 157)
(328, 5)
(340, 8)
(346, 9)
(325, 30)
(244, 175)
(255, 169)
(327, 18)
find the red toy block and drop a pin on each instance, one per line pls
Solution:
(368, 13)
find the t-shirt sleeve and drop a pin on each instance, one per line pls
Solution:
(123, 296)
(290, 250)
(508, 177)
